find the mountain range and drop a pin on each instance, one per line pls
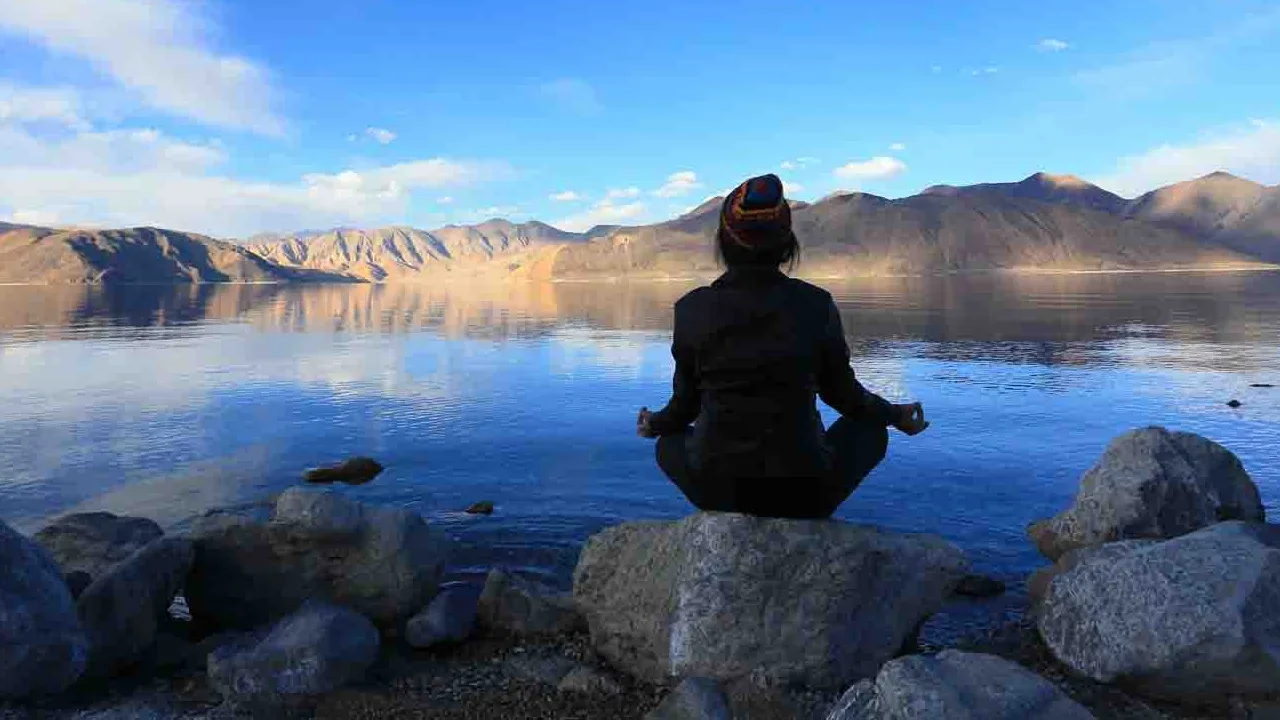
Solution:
(1042, 223)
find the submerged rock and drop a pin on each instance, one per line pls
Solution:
(253, 567)
(316, 650)
(483, 507)
(514, 604)
(980, 586)
(122, 610)
(693, 699)
(353, 471)
(95, 542)
(1151, 483)
(956, 685)
(449, 617)
(1234, 403)
(43, 649)
(720, 595)
(1191, 618)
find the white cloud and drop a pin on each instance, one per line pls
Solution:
(605, 212)
(61, 106)
(572, 94)
(565, 196)
(446, 200)
(145, 177)
(877, 168)
(381, 135)
(678, 184)
(790, 188)
(157, 49)
(798, 164)
(33, 217)
(898, 147)
(352, 137)
(619, 193)
(1052, 45)
(1250, 149)
(984, 71)
(936, 69)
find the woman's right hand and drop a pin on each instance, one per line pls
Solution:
(642, 424)
(910, 419)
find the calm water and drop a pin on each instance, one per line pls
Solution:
(164, 402)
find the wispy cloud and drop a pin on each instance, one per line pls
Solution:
(1161, 67)
(565, 196)
(799, 163)
(609, 211)
(60, 106)
(790, 188)
(877, 168)
(1052, 45)
(381, 135)
(446, 200)
(156, 49)
(678, 184)
(1250, 149)
(898, 147)
(990, 70)
(572, 94)
(146, 177)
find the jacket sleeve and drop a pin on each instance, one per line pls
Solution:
(837, 385)
(686, 400)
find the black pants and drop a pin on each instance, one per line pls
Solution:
(857, 447)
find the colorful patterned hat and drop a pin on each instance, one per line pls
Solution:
(756, 215)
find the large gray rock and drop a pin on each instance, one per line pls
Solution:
(693, 699)
(819, 603)
(1192, 618)
(316, 650)
(450, 617)
(513, 604)
(955, 685)
(122, 610)
(1151, 483)
(42, 647)
(94, 542)
(256, 565)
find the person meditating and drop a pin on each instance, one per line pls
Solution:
(742, 431)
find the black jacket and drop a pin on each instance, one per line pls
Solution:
(752, 351)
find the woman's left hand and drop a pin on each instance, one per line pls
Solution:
(642, 424)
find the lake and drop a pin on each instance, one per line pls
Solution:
(167, 401)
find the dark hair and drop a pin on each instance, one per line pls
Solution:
(731, 254)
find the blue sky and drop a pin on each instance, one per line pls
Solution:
(231, 117)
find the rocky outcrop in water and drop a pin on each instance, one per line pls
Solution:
(1152, 483)
(955, 685)
(1191, 618)
(817, 603)
(257, 565)
(43, 649)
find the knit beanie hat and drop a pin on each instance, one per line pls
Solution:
(756, 215)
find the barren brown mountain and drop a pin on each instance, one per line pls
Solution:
(1235, 212)
(397, 253)
(43, 255)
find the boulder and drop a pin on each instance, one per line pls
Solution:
(123, 609)
(1192, 618)
(316, 650)
(812, 602)
(94, 542)
(693, 699)
(43, 649)
(256, 565)
(955, 685)
(449, 617)
(514, 604)
(353, 471)
(1151, 483)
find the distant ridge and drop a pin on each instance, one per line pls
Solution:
(1041, 223)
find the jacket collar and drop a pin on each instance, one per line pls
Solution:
(750, 275)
